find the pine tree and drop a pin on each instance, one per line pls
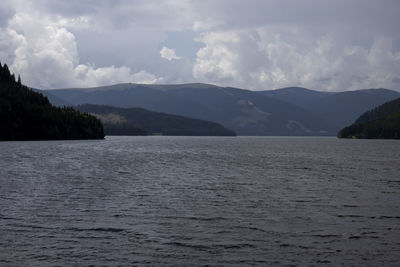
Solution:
(28, 115)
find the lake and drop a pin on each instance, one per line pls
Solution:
(217, 201)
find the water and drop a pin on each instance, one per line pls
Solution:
(179, 201)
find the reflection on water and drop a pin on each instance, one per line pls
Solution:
(197, 201)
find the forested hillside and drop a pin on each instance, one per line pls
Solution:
(382, 122)
(28, 115)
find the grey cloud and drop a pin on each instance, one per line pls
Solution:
(320, 44)
(376, 15)
(122, 14)
(396, 80)
(70, 8)
(260, 12)
(6, 13)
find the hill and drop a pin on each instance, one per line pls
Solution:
(380, 112)
(382, 122)
(138, 121)
(246, 112)
(338, 109)
(28, 115)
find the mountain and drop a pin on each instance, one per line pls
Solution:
(246, 112)
(298, 96)
(338, 109)
(343, 108)
(382, 122)
(286, 111)
(28, 115)
(138, 121)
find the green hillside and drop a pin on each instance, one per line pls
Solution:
(28, 115)
(138, 121)
(382, 122)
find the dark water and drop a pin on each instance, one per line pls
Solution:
(180, 201)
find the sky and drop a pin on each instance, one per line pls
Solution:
(326, 45)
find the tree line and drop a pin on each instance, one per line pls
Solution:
(28, 115)
(382, 122)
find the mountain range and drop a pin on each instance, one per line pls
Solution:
(287, 111)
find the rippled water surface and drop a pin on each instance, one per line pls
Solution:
(179, 201)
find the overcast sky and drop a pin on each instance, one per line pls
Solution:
(328, 45)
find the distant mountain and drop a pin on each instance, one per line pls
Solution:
(298, 96)
(246, 112)
(28, 115)
(286, 111)
(343, 108)
(138, 121)
(382, 122)
(338, 109)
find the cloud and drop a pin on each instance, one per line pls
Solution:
(6, 13)
(207, 25)
(339, 45)
(168, 53)
(87, 75)
(219, 60)
(267, 59)
(46, 54)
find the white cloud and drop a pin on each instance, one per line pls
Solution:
(219, 60)
(90, 76)
(207, 24)
(46, 55)
(168, 53)
(266, 59)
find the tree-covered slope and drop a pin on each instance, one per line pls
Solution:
(380, 112)
(54, 100)
(382, 122)
(138, 121)
(28, 115)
